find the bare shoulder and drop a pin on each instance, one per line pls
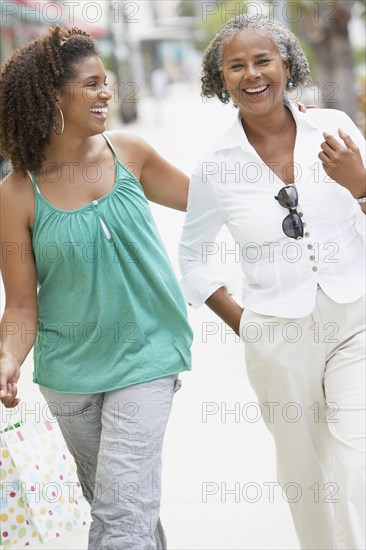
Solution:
(15, 182)
(131, 150)
(17, 197)
(123, 141)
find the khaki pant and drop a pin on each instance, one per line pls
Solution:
(309, 376)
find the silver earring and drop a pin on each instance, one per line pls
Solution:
(224, 95)
(290, 85)
(62, 123)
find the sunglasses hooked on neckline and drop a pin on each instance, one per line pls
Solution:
(292, 225)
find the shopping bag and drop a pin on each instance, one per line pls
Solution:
(40, 494)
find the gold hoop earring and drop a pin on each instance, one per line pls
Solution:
(62, 123)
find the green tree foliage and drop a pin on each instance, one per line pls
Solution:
(213, 15)
(186, 8)
(321, 27)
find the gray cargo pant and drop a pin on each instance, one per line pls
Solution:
(116, 440)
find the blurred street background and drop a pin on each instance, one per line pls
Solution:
(148, 46)
(219, 480)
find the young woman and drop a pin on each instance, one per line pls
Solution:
(298, 225)
(108, 322)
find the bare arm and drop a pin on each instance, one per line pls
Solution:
(163, 183)
(226, 308)
(19, 321)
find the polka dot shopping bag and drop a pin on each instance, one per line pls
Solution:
(40, 494)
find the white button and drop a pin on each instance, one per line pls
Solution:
(95, 203)
(315, 269)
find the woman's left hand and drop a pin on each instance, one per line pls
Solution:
(302, 107)
(343, 163)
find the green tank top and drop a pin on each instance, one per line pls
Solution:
(111, 313)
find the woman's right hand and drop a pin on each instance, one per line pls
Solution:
(9, 376)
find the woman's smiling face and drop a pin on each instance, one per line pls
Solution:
(84, 99)
(254, 73)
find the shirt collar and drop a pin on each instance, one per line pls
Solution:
(236, 137)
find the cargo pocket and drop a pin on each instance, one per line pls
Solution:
(177, 385)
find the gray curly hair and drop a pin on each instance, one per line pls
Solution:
(286, 42)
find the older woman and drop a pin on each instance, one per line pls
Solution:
(298, 225)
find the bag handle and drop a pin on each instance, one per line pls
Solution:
(10, 418)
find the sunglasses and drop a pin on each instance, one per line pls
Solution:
(292, 225)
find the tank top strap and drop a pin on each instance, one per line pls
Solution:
(33, 180)
(110, 146)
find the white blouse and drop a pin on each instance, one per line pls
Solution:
(232, 185)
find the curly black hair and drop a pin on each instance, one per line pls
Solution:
(286, 42)
(29, 83)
